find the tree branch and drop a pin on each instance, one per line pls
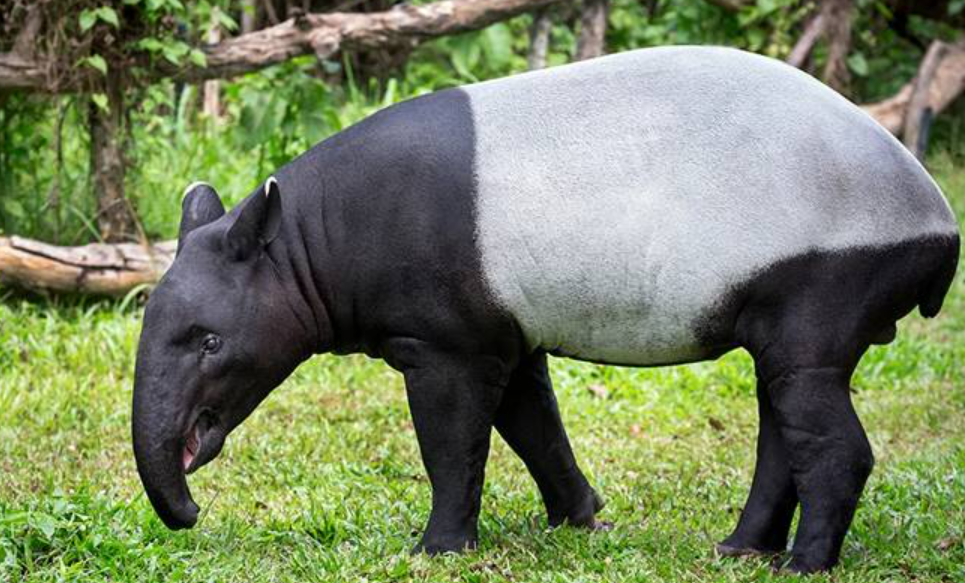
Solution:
(804, 45)
(733, 5)
(17, 72)
(948, 82)
(321, 34)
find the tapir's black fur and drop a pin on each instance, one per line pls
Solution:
(369, 240)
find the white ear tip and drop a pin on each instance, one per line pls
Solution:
(271, 180)
(192, 186)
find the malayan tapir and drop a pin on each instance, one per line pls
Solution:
(654, 207)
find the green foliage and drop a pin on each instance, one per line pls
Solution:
(273, 115)
(42, 193)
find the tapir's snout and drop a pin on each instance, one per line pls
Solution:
(159, 429)
(178, 517)
(159, 466)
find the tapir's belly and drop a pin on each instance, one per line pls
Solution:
(617, 205)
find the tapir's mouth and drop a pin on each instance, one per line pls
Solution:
(202, 443)
(191, 447)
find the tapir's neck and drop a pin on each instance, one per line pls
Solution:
(318, 254)
(295, 256)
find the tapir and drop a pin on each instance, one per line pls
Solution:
(654, 207)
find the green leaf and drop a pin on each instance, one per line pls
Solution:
(107, 14)
(465, 53)
(767, 6)
(497, 45)
(100, 100)
(149, 44)
(261, 116)
(45, 524)
(173, 51)
(87, 19)
(198, 58)
(226, 21)
(96, 62)
(858, 64)
(955, 6)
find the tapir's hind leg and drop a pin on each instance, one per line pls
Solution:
(807, 321)
(830, 459)
(529, 420)
(805, 356)
(767, 515)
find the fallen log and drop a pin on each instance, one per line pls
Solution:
(96, 269)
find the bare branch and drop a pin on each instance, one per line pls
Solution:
(804, 45)
(733, 5)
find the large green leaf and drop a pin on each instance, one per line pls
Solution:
(497, 45)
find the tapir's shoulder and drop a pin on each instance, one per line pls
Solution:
(426, 125)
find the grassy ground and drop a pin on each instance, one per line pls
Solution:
(324, 482)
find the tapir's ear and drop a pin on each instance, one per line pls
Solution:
(257, 224)
(200, 205)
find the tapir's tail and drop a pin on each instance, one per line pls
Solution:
(932, 296)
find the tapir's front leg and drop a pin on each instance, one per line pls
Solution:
(453, 399)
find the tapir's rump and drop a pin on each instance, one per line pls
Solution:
(619, 200)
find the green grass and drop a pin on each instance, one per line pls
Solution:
(324, 482)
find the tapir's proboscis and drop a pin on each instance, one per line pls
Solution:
(655, 207)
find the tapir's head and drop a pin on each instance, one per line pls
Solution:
(219, 334)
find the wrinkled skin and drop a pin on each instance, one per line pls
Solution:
(202, 364)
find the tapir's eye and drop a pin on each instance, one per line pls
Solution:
(210, 344)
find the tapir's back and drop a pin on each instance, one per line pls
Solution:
(618, 200)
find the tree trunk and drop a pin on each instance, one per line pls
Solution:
(592, 41)
(914, 133)
(115, 220)
(211, 89)
(539, 39)
(112, 270)
(838, 17)
(26, 40)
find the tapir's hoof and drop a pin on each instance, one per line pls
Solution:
(797, 566)
(435, 548)
(583, 515)
(726, 550)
